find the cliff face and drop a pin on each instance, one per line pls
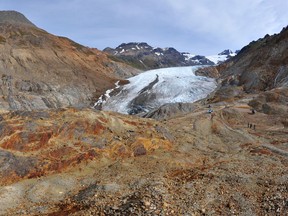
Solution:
(39, 70)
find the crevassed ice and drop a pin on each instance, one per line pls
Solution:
(178, 84)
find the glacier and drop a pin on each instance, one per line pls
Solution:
(151, 89)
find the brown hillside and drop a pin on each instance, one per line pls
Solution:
(39, 70)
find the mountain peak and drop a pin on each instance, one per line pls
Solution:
(226, 52)
(145, 57)
(14, 17)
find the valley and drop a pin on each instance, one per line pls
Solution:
(216, 146)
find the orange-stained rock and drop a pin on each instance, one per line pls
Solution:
(69, 137)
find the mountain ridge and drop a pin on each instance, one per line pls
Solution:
(143, 56)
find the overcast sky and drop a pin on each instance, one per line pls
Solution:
(196, 26)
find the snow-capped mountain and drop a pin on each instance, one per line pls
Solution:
(221, 57)
(146, 57)
(154, 88)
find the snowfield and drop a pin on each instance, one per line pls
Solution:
(153, 88)
(219, 58)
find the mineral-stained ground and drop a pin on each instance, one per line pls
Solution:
(86, 162)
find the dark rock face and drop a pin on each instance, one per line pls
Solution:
(261, 65)
(226, 52)
(143, 56)
(211, 72)
(11, 164)
(170, 110)
(200, 60)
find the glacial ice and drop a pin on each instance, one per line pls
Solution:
(178, 84)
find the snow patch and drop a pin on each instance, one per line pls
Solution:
(221, 57)
(158, 53)
(102, 99)
(188, 56)
(217, 58)
(196, 61)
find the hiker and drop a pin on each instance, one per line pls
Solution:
(212, 116)
(254, 127)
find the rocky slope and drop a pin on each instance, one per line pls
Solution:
(83, 162)
(39, 70)
(143, 56)
(260, 66)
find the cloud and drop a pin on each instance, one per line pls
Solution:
(231, 22)
(200, 27)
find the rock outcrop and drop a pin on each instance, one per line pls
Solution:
(169, 110)
(272, 102)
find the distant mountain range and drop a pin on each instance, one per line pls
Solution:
(144, 56)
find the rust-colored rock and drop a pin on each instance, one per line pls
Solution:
(70, 137)
(92, 162)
